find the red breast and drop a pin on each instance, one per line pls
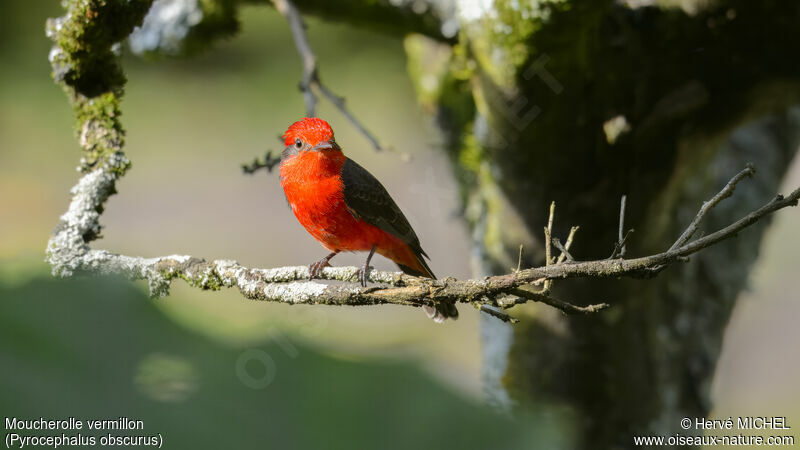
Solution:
(310, 172)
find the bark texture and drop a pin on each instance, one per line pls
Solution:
(582, 102)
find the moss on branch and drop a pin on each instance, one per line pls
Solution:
(85, 63)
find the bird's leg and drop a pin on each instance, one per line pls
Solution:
(362, 274)
(314, 270)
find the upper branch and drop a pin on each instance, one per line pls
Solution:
(429, 17)
(85, 63)
(310, 79)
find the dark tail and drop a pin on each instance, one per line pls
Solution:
(440, 312)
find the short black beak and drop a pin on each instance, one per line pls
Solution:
(326, 145)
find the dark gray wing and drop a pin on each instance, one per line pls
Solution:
(368, 200)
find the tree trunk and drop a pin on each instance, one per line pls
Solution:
(581, 103)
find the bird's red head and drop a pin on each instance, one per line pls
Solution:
(308, 132)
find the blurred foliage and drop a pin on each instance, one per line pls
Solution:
(184, 27)
(96, 348)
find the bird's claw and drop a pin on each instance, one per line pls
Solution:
(363, 275)
(315, 270)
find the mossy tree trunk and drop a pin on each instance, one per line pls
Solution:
(524, 98)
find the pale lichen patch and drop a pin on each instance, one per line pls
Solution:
(298, 292)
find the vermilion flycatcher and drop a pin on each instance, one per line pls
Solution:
(345, 208)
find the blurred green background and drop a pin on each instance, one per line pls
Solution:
(343, 377)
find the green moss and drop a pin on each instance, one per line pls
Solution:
(86, 36)
(205, 279)
(501, 42)
(213, 283)
(85, 64)
(472, 154)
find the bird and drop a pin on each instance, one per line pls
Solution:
(346, 208)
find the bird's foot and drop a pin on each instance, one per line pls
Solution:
(315, 270)
(363, 274)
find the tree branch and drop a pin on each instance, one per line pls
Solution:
(268, 163)
(437, 20)
(619, 246)
(726, 192)
(68, 253)
(100, 82)
(566, 308)
(310, 79)
(496, 313)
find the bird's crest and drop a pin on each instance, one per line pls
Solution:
(310, 130)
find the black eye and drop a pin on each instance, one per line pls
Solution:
(298, 143)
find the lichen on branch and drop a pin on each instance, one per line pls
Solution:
(68, 253)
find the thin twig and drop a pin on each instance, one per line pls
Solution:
(269, 162)
(726, 192)
(548, 235)
(564, 251)
(289, 11)
(564, 254)
(619, 246)
(566, 308)
(340, 104)
(311, 79)
(496, 313)
(570, 238)
(548, 252)
(620, 239)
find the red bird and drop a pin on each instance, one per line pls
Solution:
(345, 208)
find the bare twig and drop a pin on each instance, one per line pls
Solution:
(548, 243)
(563, 250)
(687, 234)
(340, 104)
(619, 246)
(561, 258)
(726, 192)
(311, 79)
(621, 239)
(566, 308)
(496, 313)
(564, 254)
(269, 162)
(548, 236)
(289, 11)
